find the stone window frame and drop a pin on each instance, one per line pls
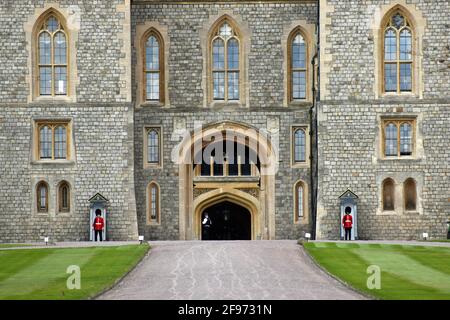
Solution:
(53, 123)
(71, 21)
(398, 121)
(143, 31)
(308, 32)
(306, 163)
(298, 31)
(305, 218)
(206, 36)
(399, 179)
(39, 210)
(381, 16)
(59, 187)
(150, 165)
(149, 199)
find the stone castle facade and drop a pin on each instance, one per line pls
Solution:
(112, 97)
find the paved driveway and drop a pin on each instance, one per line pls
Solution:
(228, 270)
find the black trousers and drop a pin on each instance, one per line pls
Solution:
(348, 231)
(100, 233)
(205, 233)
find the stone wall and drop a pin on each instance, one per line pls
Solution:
(349, 124)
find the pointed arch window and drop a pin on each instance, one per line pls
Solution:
(398, 54)
(299, 201)
(64, 197)
(153, 207)
(53, 140)
(410, 194)
(52, 56)
(299, 145)
(388, 195)
(42, 197)
(153, 67)
(297, 65)
(398, 137)
(225, 62)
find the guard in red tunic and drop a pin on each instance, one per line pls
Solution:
(347, 222)
(98, 224)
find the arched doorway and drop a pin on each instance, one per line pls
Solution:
(230, 221)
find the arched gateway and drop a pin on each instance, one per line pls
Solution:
(229, 169)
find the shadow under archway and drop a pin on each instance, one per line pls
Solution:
(229, 221)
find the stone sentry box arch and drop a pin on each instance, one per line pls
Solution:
(261, 207)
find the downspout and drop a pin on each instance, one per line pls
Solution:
(314, 161)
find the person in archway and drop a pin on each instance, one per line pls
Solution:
(347, 222)
(206, 223)
(98, 224)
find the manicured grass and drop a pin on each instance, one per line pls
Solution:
(41, 273)
(407, 272)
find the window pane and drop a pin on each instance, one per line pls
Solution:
(405, 77)
(299, 146)
(299, 85)
(219, 85)
(153, 146)
(152, 86)
(233, 85)
(390, 77)
(153, 209)
(233, 54)
(60, 143)
(225, 30)
(65, 197)
(405, 45)
(298, 52)
(391, 140)
(300, 201)
(390, 45)
(52, 24)
(42, 197)
(60, 48)
(398, 20)
(218, 54)
(45, 81)
(152, 54)
(405, 139)
(218, 169)
(45, 142)
(44, 48)
(60, 80)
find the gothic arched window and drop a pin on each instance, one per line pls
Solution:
(64, 197)
(297, 66)
(398, 54)
(410, 194)
(225, 62)
(299, 145)
(153, 66)
(52, 53)
(42, 197)
(388, 195)
(153, 207)
(299, 201)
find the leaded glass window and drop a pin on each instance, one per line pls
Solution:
(42, 197)
(153, 67)
(398, 59)
(153, 146)
(52, 141)
(52, 58)
(64, 197)
(398, 138)
(225, 63)
(298, 67)
(153, 203)
(299, 200)
(299, 145)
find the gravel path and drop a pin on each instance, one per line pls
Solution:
(228, 270)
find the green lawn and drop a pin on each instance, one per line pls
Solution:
(407, 272)
(41, 273)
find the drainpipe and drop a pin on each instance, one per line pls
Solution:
(314, 161)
